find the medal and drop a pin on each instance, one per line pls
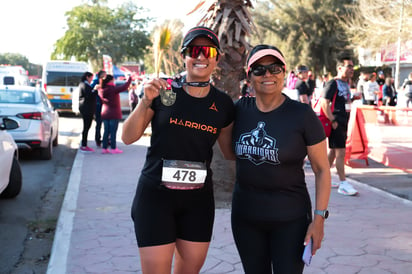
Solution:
(167, 97)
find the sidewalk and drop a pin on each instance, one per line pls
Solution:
(369, 233)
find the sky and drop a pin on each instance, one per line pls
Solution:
(31, 27)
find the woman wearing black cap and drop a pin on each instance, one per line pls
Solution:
(272, 134)
(173, 209)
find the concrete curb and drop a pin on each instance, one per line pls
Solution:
(62, 237)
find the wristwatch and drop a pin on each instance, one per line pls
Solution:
(323, 213)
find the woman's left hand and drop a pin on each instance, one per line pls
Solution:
(316, 232)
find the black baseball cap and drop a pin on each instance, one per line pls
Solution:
(200, 31)
(302, 68)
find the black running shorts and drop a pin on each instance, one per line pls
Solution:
(162, 215)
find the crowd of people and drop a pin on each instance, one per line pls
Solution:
(265, 132)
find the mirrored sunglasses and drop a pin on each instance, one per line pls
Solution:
(194, 51)
(260, 70)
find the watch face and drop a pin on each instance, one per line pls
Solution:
(326, 214)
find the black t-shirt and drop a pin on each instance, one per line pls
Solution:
(380, 81)
(186, 130)
(302, 88)
(270, 149)
(312, 84)
(343, 97)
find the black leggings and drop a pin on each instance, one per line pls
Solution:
(87, 122)
(264, 246)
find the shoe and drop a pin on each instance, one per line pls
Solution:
(105, 151)
(86, 149)
(335, 184)
(116, 151)
(347, 189)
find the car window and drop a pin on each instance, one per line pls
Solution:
(8, 80)
(44, 100)
(16, 97)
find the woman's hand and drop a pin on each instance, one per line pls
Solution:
(316, 232)
(152, 87)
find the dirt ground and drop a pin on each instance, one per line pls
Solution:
(223, 179)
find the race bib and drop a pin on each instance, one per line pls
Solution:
(183, 175)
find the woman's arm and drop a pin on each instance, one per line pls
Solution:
(123, 87)
(139, 119)
(225, 142)
(320, 165)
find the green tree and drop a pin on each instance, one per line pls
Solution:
(391, 20)
(16, 59)
(95, 29)
(307, 31)
(387, 18)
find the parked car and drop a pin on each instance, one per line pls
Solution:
(39, 122)
(124, 97)
(10, 171)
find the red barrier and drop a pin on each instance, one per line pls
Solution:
(383, 134)
(357, 141)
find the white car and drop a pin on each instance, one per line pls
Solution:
(10, 172)
(38, 121)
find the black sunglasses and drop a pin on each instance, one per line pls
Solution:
(260, 70)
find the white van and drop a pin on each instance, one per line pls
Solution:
(13, 75)
(60, 79)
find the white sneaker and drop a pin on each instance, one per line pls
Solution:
(335, 184)
(347, 189)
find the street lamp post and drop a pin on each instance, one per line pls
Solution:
(398, 51)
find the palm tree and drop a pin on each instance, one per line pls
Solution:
(166, 40)
(161, 43)
(232, 22)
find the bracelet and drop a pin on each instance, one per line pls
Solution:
(147, 105)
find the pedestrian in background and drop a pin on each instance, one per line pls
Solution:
(381, 81)
(371, 90)
(97, 84)
(302, 85)
(407, 89)
(111, 112)
(388, 93)
(271, 207)
(361, 86)
(87, 107)
(173, 213)
(339, 89)
(133, 97)
(291, 80)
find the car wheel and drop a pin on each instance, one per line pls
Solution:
(15, 182)
(56, 140)
(47, 153)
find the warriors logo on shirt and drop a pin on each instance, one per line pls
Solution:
(257, 146)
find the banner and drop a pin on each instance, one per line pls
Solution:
(388, 54)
